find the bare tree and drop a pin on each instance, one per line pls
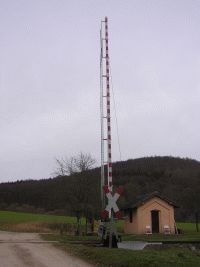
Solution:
(60, 169)
(74, 164)
(84, 162)
(78, 198)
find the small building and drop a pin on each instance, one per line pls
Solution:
(151, 213)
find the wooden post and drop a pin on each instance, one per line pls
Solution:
(197, 221)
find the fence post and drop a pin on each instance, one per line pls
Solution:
(197, 221)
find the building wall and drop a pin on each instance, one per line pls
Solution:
(131, 227)
(142, 217)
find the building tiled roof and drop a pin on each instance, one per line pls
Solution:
(144, 198)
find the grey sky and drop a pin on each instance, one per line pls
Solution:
(49, 80)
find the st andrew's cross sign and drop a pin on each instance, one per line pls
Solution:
(112, 202)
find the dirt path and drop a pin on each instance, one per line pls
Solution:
(27, 249)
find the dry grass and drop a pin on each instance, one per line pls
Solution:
(42, 227)
(28, 227)
(40, 223)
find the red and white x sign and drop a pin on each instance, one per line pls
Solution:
(112, 201)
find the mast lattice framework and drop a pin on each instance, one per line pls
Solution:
(105, 110)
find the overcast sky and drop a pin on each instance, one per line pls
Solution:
(49, 80)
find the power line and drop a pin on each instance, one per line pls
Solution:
(115, 114)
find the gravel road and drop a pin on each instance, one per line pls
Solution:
(27, 249)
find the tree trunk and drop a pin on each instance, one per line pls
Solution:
(86, 225)
(78, 226)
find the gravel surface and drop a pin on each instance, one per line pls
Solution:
(27, 249)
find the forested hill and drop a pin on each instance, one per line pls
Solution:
(175, 178)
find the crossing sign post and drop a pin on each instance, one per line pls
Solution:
(112, 199)
(109, 211)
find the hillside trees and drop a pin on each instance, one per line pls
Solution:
(175, 178)
(84, 196)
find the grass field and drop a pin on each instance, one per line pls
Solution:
(104, 256)
(187, 227)
(29, 222)
(100, 256)
(10, 217)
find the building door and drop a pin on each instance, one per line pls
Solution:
(155, 221)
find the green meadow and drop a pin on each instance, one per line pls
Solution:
(10, 217)
(187, 227)
(30, 222)
(104, 257)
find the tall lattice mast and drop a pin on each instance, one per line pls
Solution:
(105, 108)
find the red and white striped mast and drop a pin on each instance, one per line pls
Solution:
(109, 157)
(105, 108)
(107, 186)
